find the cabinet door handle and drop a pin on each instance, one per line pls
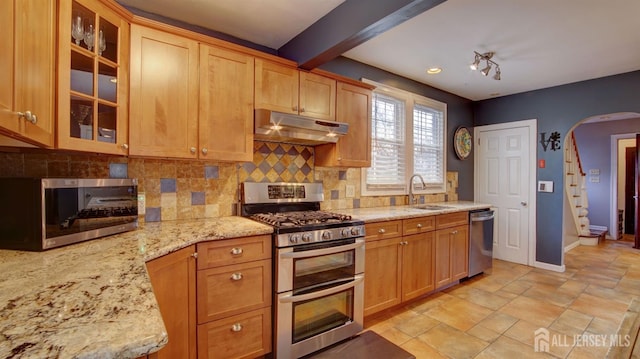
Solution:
(381, 231)
(236, 327)
(295, 108)
(192, 150)
(125, 146)
(236, 276)
(194, 255)
(302, 109)
(419, 225)
(235, 251)
(204, 151)
(27, 115)
(454, 232)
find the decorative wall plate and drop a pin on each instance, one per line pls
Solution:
(462, 142)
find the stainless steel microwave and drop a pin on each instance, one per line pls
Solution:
(37, 214)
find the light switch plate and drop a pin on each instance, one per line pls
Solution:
(545, 186)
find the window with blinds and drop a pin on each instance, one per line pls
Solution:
(407, 137)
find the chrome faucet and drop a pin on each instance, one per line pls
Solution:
(412, 199)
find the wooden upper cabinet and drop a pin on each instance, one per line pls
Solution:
(27, 63)
(317, 96)
(285, 89)
(93, 73)
(276, 86)
(354, 149)
(164, 94)
(226, 104)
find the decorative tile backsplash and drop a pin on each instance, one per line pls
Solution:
(190, 189)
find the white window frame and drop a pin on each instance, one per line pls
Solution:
(409, 99)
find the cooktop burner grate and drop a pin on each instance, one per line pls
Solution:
(300, 218)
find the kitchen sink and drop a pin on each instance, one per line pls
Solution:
(431, 207)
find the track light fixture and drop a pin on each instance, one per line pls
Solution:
(486, 57)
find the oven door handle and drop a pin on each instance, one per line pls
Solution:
(324, 251)
(321, 293)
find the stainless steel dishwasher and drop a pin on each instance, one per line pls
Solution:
(480, 240)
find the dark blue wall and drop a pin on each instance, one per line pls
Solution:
(459, 112)
(559, 109)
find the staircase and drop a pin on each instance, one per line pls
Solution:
(576, 191)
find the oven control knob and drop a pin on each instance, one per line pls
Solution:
(346, 232)
(294, 238)
(306, 237)
(355, 231)
(326, 235)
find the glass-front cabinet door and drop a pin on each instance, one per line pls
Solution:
(93, 78)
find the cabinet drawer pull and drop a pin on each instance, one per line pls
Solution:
(27, 115)
(235, 251)
(381, 231)
(236, 327)
(192, 150)
(205, 151)
(236, 276)
(454, 232)
(419, 225)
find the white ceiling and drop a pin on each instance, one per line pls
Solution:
(538, 44)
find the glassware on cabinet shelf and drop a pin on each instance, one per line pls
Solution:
(89, 36)
(102, 42)
(77, 29)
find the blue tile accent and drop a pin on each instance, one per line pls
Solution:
(152, 214)
(356, 203)
(392, 201)
(335, 194)
(197, 198)
(342, 175)
(211, 172)
(167, 185)
(279, 151)
(279, 168)
(118, 170)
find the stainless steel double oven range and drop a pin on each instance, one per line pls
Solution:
(318, 266)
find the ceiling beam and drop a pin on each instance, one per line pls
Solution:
(347, 26)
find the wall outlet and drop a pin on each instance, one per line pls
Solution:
(142, 203)
(351, 191)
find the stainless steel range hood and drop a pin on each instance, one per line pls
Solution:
(283, 127)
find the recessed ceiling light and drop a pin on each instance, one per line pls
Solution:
(434, 70)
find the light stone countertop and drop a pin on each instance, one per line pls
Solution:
(94, 299)
(378, 214)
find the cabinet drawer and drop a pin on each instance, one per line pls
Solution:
(418, 225)
(247, 335)
(233, 251)
(233, 289)
(382, 230)
(452, 219)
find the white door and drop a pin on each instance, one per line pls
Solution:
(505, 178)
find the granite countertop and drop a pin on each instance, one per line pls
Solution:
(94, 299)
(378, 214)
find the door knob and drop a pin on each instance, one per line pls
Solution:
(523, 203)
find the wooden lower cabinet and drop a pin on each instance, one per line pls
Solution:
(173, 278)
(246, 335)
(382, 280)
(451, 255)
(397, 269)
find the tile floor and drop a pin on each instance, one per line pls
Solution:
(494, 315)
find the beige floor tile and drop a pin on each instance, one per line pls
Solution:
(417, 325)
(483, 333)
(571, 322)
(536, 311)
(609, 294)
(452, 342)
(395, 336)
(599, 307)
(517, 287)
(430, 302)
(602, 326)
(584, 352)
(422, 350)
(459, 313)
(540, 277)
(506, 347)
(573, 287)
(522, 331)
(482, 297)
(498, 322)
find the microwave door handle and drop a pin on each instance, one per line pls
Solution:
(321, 293)
(324, 251)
